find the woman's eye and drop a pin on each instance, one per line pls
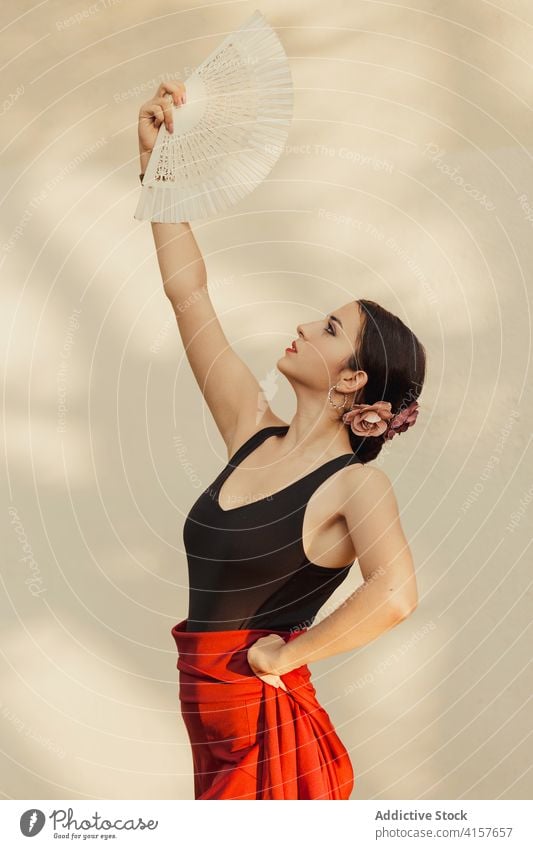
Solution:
(330, 329)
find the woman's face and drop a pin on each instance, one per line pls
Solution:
(322, 348)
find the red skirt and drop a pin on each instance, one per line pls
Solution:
(249, 739)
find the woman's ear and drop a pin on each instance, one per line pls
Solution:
(352, 381)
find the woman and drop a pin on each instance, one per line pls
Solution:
(276, 533)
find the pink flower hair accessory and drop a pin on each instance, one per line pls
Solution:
(403, 420)
(378, 420)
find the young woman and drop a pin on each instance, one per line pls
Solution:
(278, 530)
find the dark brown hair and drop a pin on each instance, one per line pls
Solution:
(395, 362)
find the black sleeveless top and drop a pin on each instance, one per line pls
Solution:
(247, 566)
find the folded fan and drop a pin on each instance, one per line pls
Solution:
(227, 135)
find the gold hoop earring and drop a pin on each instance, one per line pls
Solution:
(337, 406)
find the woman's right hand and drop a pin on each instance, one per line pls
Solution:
(154, 112)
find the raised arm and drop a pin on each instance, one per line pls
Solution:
(231, 391)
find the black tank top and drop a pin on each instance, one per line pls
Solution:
(247, 566)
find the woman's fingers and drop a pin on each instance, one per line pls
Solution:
(175, 89)
(156, 111)
(273, 680)
(160, 110)
(258, 658)
(167, 106)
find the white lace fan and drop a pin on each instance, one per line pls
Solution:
(227, 135)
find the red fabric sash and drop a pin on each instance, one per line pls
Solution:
(251, 740)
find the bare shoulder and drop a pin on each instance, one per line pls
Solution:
(364, 489)
(247, 426)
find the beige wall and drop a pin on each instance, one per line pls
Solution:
(387, 98)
